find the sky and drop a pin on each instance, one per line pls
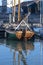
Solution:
(9, 1)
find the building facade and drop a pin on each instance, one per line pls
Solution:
(4, 6)
(41, 11)
(4, 2)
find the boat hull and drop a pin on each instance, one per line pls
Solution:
(19, 35)
(14, 35)
(29, 34)
(10, 36)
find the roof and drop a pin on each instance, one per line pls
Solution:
(36, 1)
(26, 3)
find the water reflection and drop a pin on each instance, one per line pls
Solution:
(20, 45)
(23, 48)
(22, 52)
(41, 53)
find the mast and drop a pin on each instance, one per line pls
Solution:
(14, 10)
(18, 10)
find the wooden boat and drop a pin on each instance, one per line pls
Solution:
(19, 34)
(29, 34)
(13, 34)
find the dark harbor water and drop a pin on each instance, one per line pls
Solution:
(21, 53)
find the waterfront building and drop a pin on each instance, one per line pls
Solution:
(4, 6)
(4, 2)
(41, 11)
(24, 8)
(0, 9)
